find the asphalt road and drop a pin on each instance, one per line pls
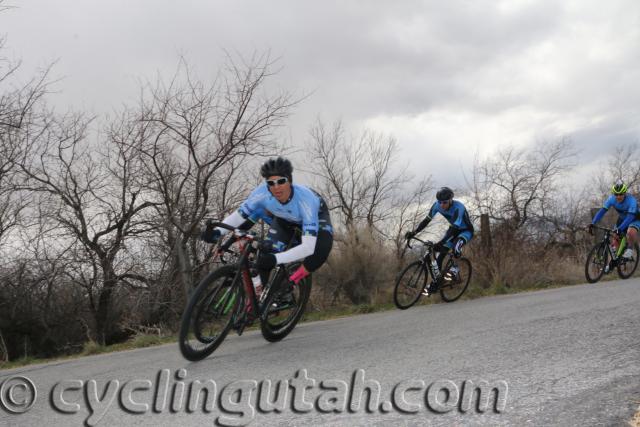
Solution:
(568, 356)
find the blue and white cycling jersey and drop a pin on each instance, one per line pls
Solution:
(456, 215)
(304, 208)
(261, 214)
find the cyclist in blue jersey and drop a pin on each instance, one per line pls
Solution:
(289, 207)
(628, 216)
(460, 231)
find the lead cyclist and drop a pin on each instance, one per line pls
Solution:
(290, 207)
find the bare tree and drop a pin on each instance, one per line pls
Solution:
(411, 207)
(622, 163)
(95, 195)
(202, 136)
(40, 311)
(515, 185)
(21, 109)
(373, 201)
(565, 217)
(356, 175)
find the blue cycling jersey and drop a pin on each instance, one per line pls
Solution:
(302, 208)
(629, 205)
(627, 209)
(457, 215)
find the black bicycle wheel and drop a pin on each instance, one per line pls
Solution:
(409, 285)
(283, 307)
(209, 314)
(455, 278)
(597, 261)
(627, 266)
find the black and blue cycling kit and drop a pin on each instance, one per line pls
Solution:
(458, 218)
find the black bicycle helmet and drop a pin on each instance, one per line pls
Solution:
(444, 194)
(276, 167)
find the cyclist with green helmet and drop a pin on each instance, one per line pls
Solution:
(629, 218)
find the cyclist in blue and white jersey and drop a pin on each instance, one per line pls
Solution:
(628, 216)
(460, 231)
(291, 206)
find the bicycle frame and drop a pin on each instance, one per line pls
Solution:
(426, 259)
(606, 241)
(247, 245)
(426, 262)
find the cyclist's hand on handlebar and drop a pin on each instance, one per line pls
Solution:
(210, 233)
(409, 234)
(266, 261)
(590, 229)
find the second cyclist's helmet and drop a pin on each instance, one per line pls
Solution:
(276, 167)
(444, 194)
(619, 187)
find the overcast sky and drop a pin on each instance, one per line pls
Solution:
(446, 78)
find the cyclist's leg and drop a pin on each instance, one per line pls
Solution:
(279, 236)
(324, 243)
(320, 255)
(462, 239)
(632, 238)
(632, 233)
(445, 244)
(615, 240)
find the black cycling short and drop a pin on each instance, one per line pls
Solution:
(283, 234)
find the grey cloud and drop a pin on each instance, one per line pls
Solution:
(568, 62)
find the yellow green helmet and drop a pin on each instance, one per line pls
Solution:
(619, 187)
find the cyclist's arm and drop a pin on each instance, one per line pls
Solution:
(627, 220)
(632, 211)
(428, 218)
(309, 208)
(249, 212)
(423, 224)
(234, 220)
(599, 215)
(611, 201)
(301, 251)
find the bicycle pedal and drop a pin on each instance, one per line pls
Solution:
(430, 290)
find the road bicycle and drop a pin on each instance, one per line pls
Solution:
(226, 299)
(603, 258)
(413, 280)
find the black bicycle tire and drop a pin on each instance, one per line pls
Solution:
(276, 335)
(466, 285)
(419, 293)
(187, 351)
(593, 251)
(635, 266)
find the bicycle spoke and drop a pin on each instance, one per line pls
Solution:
(209, 314)
(409, 285)
(455, 279)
